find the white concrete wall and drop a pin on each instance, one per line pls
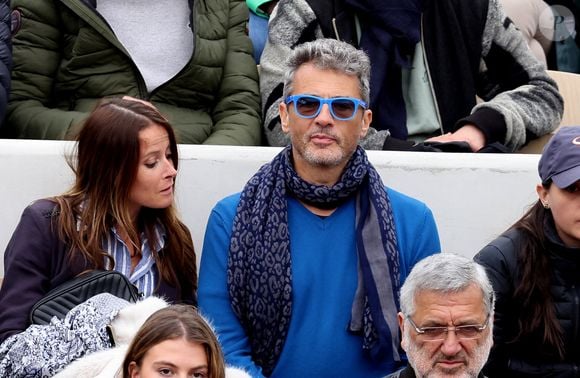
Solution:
(473, 197)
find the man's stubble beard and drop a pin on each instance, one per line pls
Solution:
(423, 366)
(322, 157)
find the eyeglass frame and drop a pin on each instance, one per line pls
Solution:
(480, 328)
(357, 102)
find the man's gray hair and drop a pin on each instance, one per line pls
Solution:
(445, 273)
(330, 54)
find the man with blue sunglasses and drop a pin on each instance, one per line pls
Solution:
(300, 272)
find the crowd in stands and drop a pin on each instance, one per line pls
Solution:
(467, 83)
(315, 268)
(428, 67)
(191, 59)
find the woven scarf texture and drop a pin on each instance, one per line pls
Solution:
(260, 267)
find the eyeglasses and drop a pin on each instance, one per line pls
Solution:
(341, 108)
(463, 332)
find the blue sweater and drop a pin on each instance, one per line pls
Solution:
(324, 279)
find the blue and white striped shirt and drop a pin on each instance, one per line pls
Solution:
(145, 276)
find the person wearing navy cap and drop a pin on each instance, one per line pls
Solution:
(534, 268)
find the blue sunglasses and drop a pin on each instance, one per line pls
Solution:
(341, 108)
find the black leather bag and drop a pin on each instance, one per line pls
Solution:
(60, 300)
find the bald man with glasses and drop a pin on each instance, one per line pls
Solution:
(446, 318)
(300, 273)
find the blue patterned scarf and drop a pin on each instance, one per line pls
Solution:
(260, 268)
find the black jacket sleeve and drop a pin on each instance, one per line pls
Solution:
(5, 56)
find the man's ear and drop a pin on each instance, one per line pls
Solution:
(284, 117)
(366, 122)
(401, 319)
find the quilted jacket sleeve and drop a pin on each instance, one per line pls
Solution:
(5, 56)
(37, 46)
(236, 116)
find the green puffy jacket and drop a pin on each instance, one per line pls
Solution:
(66, 58)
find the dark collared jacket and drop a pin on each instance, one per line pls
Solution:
(529, 356)
(36, 261)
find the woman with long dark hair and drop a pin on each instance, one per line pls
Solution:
(118, 215)
(535, 270)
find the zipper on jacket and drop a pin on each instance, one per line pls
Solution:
(188, 64)
(101, 26)
(183, 69)
(575, 340)
(426, 63)
(335, 28)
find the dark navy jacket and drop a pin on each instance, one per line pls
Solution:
(35, 262)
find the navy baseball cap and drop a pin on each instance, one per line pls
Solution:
(560, 161)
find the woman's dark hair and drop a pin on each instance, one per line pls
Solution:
(105, 167)
(532, 292)
(176, 322)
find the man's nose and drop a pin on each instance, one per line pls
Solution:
(451, 345)
(324, 118)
